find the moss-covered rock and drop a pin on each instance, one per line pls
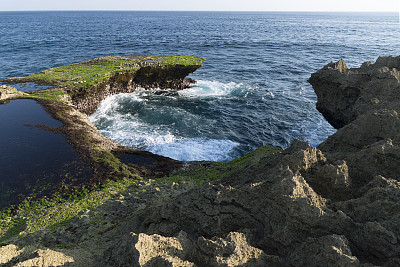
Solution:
(86, 84)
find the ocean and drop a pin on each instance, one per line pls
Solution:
(251, 91)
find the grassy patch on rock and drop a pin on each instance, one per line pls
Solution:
(211, 172)
(258, 153)
(179, 60)
(32, 216)
(86, 74)
(56, 95)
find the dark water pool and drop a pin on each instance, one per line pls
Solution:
(33, 160)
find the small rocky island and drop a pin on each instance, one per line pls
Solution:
(333, 205)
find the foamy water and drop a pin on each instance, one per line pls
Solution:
(251, 91)
(210, 121)
(133, 119)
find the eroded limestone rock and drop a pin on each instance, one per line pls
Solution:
(11, 255)
(278, 212)
(331, 250)
(8, 92)
(335, 205)
(157, 250)
(344, 94)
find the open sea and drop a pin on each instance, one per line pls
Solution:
(252, 90)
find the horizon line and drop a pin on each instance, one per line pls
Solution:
(288, 11)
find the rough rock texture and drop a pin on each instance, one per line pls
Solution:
(163, 77)
(12, 256)
(282, 215)
(7, 92)
(330, 250)
(369, 122)
(344, 94)
(335, 205)
(155, 250)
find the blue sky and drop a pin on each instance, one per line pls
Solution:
(216, 5)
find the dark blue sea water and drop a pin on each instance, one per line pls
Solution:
(252, 90)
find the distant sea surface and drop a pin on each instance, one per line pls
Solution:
(252, 90)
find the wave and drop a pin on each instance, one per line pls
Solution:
(205, 88)
(196, 149)
(132, 120)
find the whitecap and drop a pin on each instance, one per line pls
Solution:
(196, 149)
(204, 88)
(124, 119)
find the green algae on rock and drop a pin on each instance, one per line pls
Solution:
(336, 205)
(78, 88)
(85, 223)
(86, 84)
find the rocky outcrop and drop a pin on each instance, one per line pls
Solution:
(88, 83)
(8, 92)
(287, 215)
(345, 94)
(101, 152)
(163, 77)
(334, 205)
(369, 120)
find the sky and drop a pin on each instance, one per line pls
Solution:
(204, 5)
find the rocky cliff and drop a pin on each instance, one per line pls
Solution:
(335, 205)
(87, 83)
(345, 94)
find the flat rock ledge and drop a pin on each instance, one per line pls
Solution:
(335, 205)
(86, 84)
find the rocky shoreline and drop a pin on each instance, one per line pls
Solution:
(333, 205)
(75, 92)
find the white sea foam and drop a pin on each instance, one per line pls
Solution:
(196, 149)
(129, 129)
(205, 88)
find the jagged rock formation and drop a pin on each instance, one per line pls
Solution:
(12, 256)
(279, 206)
(369, 133)
(345, 94)
(335, 205)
